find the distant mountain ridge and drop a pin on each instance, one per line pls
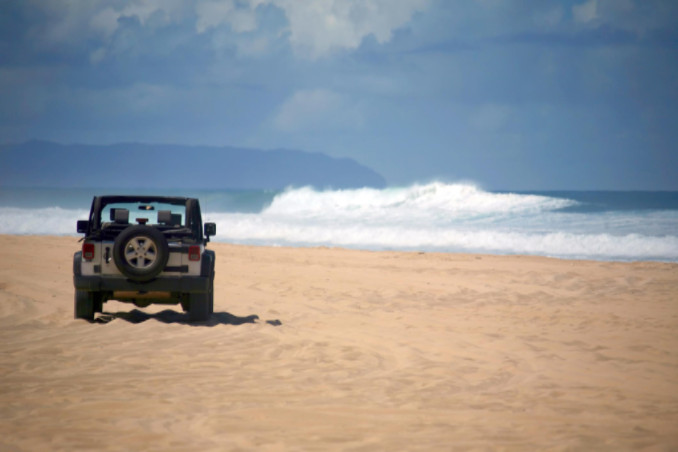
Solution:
(136, 165)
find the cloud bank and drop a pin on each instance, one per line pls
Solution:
(513, 93)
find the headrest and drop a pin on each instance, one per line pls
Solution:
(120, 215)
(165, 216)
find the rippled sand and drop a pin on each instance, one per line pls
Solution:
(324, 349)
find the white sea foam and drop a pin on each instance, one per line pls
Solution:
(451, 217)
(425, 201)
(41, 221)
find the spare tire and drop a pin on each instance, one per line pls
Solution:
(140, 252)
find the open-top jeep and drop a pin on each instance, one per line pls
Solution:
(144, 250)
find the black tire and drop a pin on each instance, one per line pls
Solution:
(210, 294)
(98, 302)
(84, 305)
(199, 310)
(140, 252)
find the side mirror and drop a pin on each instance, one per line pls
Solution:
(83, 226)
(210, 229)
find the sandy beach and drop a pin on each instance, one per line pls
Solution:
(329, 349)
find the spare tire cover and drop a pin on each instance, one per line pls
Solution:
(140, 252)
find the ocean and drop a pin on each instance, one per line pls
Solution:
(441, 217)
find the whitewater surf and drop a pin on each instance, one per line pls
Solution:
(424, 217)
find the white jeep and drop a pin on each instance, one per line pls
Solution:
(144, 250)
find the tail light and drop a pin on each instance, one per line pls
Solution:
(194, 253)
(88, 251)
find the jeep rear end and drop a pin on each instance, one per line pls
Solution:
(144, 250)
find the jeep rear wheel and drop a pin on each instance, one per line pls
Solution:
(140, 252)
(199, 309)
(84, 305)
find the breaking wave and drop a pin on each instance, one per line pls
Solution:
(452, 217)
(40, 221)
(428, 217)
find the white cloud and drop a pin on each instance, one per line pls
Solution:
(64, 21)
(317, 109)
(586, 12)
(638, 16)
(104, 19)
(75, 21)
(315, 28)
(212, 13)
(319, 27)
(105, 22)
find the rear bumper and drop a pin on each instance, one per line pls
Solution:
(184, 284)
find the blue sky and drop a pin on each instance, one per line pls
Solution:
(529, 94)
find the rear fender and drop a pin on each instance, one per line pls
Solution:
(77, 263)
(207, 265)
